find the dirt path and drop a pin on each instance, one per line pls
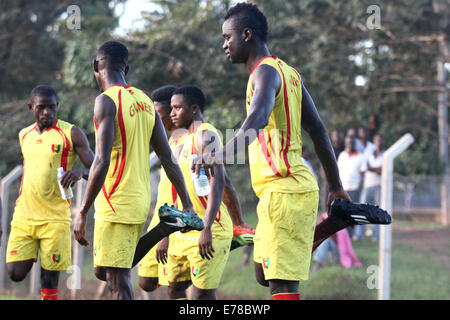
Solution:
(434, 243)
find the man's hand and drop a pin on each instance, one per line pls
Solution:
(71, 177)
(336, 195)
(207, 160)
(205, 243)
(79, 229)
(161, 250)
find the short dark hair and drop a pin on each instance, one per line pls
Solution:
(193, 95)
(163, 94)
(42, 90)
(248, 15)
(116, 52)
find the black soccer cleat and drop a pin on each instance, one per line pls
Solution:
(355, 213)
(177, 219)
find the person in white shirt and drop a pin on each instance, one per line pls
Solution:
(365, 147)
(350, 164)
(371, 192)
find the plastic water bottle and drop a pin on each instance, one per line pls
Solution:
(66, 193)
(201, 184)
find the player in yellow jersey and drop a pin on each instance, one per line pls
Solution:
(119, 181)
(278, 107)
(41, 220)
(199, 258)
(151, 270)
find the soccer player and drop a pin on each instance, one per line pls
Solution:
(41, 220)
(199, 257)
(151, 270)
(278, 107)
(119, 181)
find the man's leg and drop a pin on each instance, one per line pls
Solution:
(119, 283)
(203, 294)
(18, 270)
(100, 273)
(177, 290)
(259, 273)
(21, 252)
(49, 284)
(345, 214)
(284, 289)
(148, 284)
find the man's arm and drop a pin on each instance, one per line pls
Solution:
(266, 84)
(104, 113)
(315, 128)
(162, 149)
(84, 152)
(208, 140)
(231, 200)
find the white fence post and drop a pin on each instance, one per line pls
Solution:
(6, 182)
(387, 182)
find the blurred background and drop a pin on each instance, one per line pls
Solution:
(384, 68)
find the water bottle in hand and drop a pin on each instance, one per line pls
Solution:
(201, 184)
(66, 193)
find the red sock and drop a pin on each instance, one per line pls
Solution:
(286, 296)
(49, 294)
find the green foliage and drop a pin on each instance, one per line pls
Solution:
(327, 41)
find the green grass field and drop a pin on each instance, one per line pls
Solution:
(414, 276)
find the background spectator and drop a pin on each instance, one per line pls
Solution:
(371, 192)
(350, 163)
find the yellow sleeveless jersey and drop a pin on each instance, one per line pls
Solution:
(125, 195)
(222, 226)
(166, 191)
(39, 199)
(276, 155)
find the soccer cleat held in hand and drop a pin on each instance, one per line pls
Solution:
(177, 219)
(358, 213)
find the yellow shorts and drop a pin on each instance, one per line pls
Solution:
(185, 263)
(284, 234)
(149, 266)
(115, 243)
(52, 240)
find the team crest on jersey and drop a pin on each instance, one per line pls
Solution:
(194, 271)
(265, 263)
(56, 258)
(56, 148)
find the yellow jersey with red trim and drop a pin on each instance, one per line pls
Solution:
(39, 199)
(125, 195)
(166, 191)
(275, 157)
(222, 226)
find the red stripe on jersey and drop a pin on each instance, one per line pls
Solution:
(174, 194)
(66, 148)
(265, 151)
(288, 124)
(124, 145)
(21, 183)
(23, 137)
